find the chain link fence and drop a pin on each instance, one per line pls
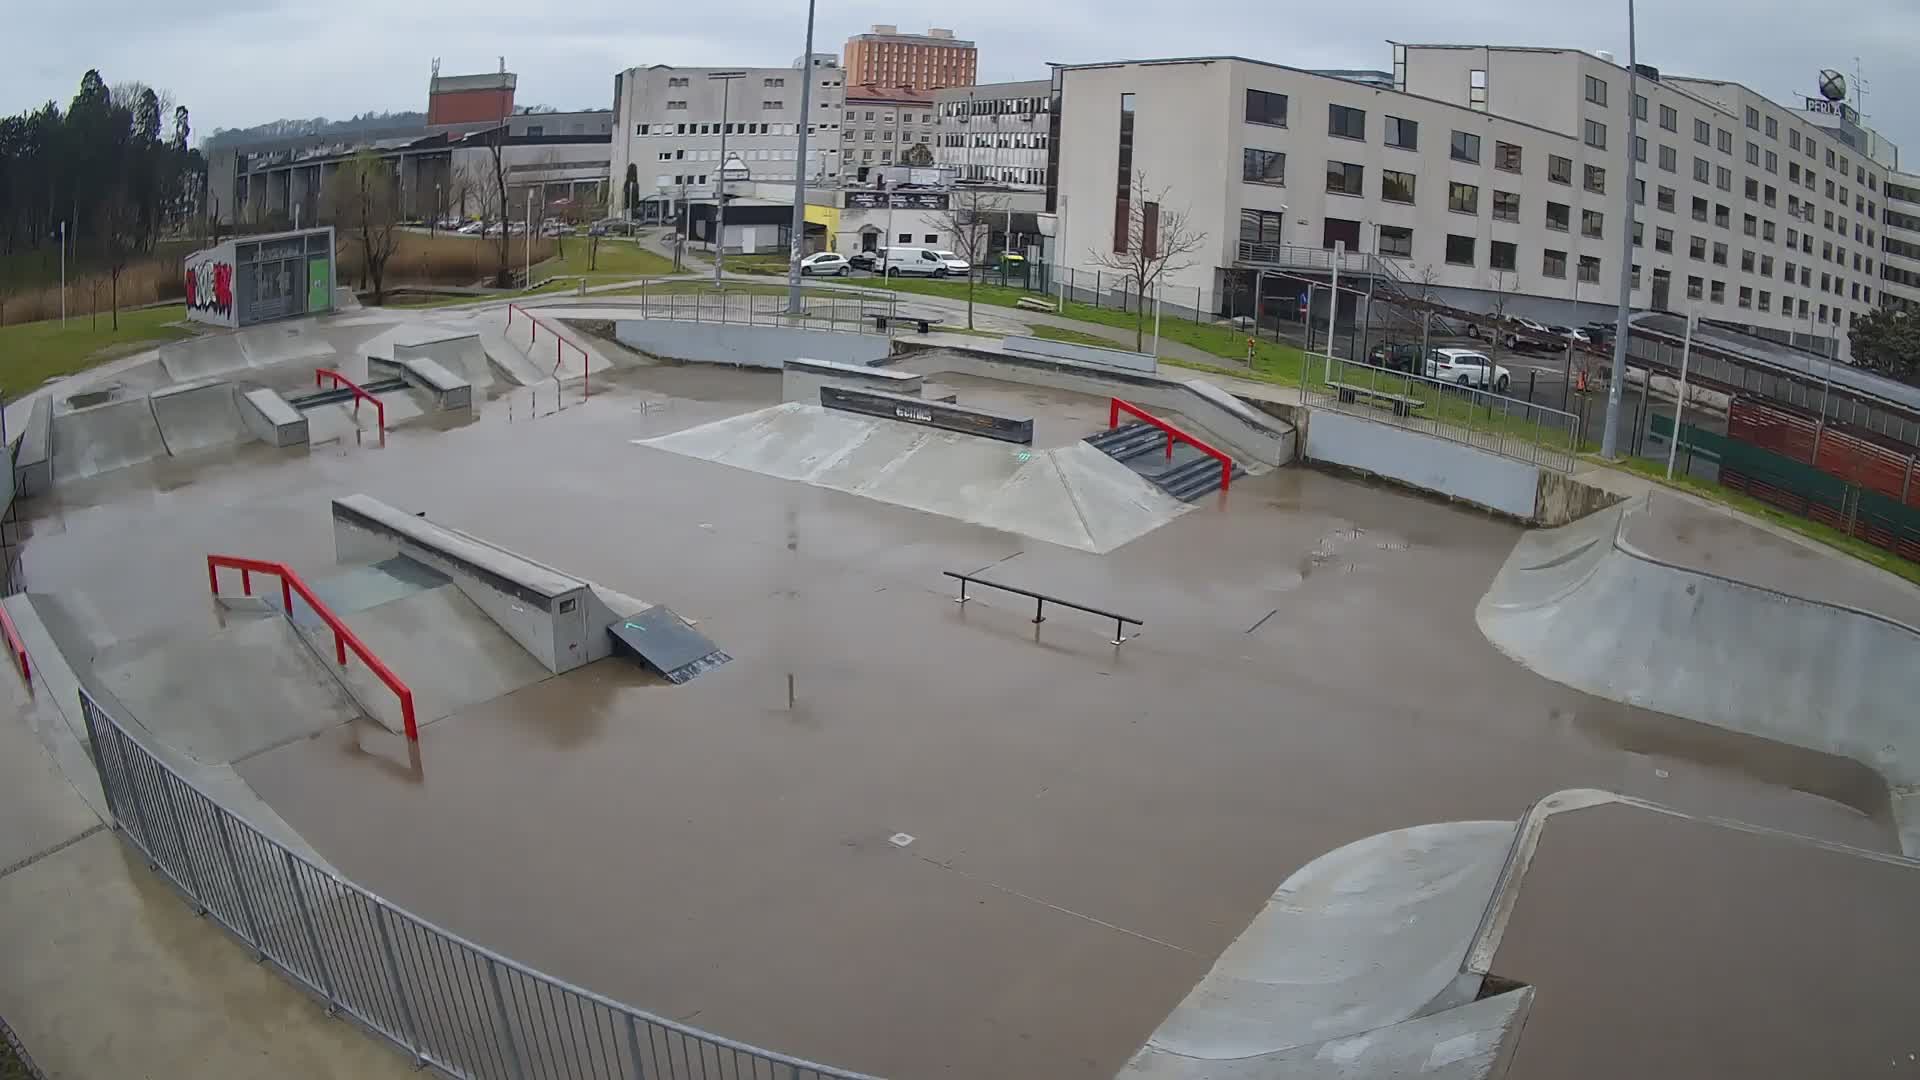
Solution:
(450, 1004)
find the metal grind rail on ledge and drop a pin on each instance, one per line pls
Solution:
(1040, 602)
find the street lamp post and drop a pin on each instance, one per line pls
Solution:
(1609, 436)
(796, 240)
(725, 78)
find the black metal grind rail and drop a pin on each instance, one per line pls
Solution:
(1040, 602)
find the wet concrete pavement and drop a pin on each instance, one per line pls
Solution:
(1091, 826)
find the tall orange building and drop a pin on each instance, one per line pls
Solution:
(886, 57)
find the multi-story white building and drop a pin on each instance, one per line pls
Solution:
(668, 126)
(1900, 242)
(1494, 177)
(996, 132)
(881, 124)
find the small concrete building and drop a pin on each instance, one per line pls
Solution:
(255, 279)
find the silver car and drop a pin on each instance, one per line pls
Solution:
(1468, 368)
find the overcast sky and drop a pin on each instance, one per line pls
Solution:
(244, 64)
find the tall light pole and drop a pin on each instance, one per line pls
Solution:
(725, 78)
(798, 233)
(526, 244)
(1609, 437)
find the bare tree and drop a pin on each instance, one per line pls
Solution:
(496, 142)
(1157, 242)
(365, 204)
(968, 218)
(118, 229)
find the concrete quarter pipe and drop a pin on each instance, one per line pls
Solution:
(1587, 605)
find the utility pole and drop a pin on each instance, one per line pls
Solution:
(526, 245)
(796, 240)
(1609, 436)
(725, 78)
(1680, 405)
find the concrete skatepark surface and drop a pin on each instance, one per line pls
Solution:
(1091, 828)
(1589, 605)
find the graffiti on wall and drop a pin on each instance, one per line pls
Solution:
(210, 287)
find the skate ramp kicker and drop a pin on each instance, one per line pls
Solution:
(1074, 495)
(88, 442)
(1583, 606)
(198, 415)
(1361, 940)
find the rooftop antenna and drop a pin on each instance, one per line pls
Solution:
(436, 67)
(1860, 88)
(503, 65)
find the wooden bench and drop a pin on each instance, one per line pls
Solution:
(1034, 303)
(1401, 404)
(880, 321)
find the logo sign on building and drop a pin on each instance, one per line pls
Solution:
(1833, 108)
(898, 200)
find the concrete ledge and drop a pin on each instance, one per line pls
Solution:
(940, 414)
(802, 378)
(1085, 354)
(416, 364)
(33, 456)
(271, 419)
(544, 610)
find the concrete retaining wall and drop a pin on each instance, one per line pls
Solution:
(749, 346)
(1425, 462)
(271, 420)
(33, 455)
(1086, 354)
(542, 609)
(198, 415)
(801, 379)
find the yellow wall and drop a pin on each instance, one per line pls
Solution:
(828, 216)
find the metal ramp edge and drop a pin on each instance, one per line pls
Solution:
(667, 643)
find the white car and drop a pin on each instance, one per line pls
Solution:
(1468, 368)
(824, 264)
(954, 263)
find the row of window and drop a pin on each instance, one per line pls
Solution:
(1036, 140)
(997, 106)
(887, 135)
(716, 129)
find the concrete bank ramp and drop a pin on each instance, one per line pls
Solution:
(1348, 950)
(1584, 606)
(198, 415)
(88, 442)
(1074, 495)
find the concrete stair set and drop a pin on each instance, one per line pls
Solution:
(1186, 475)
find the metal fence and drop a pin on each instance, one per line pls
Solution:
(849, 313)
(1507, 426)
(463, 1009)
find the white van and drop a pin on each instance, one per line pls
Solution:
(912, 262)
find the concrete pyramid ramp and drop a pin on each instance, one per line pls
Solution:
(1583, 606)
(224, 696)
(87, 442)
(1363, 938)
(450, 654)
(199, 415)
(1074, 496)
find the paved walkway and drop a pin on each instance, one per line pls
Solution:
(110, 973)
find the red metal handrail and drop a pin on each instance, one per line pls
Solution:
(1173, 433)
(533, 336)
(18, 647)
(343, 638)
(321, 374)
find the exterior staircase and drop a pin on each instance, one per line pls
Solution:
(1186, 475)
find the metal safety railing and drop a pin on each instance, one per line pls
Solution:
(1115, 407)
(1040, 602)
(343, 638)
(320, 377)
(559, 341)
(461, 1008)
(1462, 413)
(849, 312)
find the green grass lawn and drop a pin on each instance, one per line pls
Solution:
(1747, 504)
(560, 285)
(31, 353)
(1078, 337)
(615, 259)
(704, 287)
(757, 264)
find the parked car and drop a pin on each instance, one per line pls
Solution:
(954, 263)
(913, 262)
(1396, 355)
(1572, 333)
(1468, 368)
(472, 227)
(1600, 333)
(864, 260)
(824, 264)
(1523, 334)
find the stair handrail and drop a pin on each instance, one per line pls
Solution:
(343, 638)
(359, 393)
(1116, 406)
(17, 646)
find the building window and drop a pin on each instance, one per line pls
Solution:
(1477, 90)
(1553, 263)
(1772, 162)
(1640, 149)
(1596, 179)
(1559, 169)
(1669, 159)
(1722, 215)
(1459, 249)
(1463, 198)
(1793, 139)
(1663, 199)
(1746, 261)
(1261, 226)
(1753, 153)
(1773, 128)
(1403, 134)
(673, 82)
(1594, 134)
(1502, 256)
(1396, 186)
(676, 105)
(1669, 118)
(1719, 293)
(1506, 206)
(1766, 231)
(1123, 179)
(1346, 123)
(1746, 296)
(1766, 300)
(1697, 248)
(1506, 157)
(1557, 216)
(1639, 191)
(1793, 172)
(1396, 241)
(1771, 196)
(1466, 147)
(1696, 287)
(1640, 106)
(1263, 166)
(1724, 140)
(1663, 240)
(1752, 191)
(1702, 171)
(1596, 90)
(1699, 208)
(1266, 108)
(1590, 268)
(1345, 179)
(1719, 253)
(1703, 133)
(1591, 224)
(1753, 118)
(774, 105)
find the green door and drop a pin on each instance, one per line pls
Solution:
(319, 282)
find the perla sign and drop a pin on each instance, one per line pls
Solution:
(1833, 108)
